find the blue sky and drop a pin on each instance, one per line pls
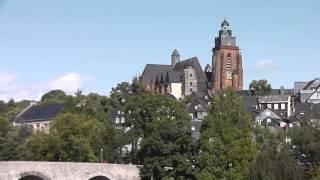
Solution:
(93, 45)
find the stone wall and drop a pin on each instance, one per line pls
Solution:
(13, 170)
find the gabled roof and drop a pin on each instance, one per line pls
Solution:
(36, 113)
(180, 66)
(313, 83)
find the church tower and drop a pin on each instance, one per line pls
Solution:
(175, 57)
(226, 61)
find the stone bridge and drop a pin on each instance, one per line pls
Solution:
(29, 170)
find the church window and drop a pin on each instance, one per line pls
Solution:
(229, 68)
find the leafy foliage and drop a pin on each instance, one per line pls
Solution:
(274, 161)
(226, 143)
(166, 147)
(260, 87)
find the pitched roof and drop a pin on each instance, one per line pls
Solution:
(151, 70)
(275, 98)
(313, 83)
(36, 113)
(250, 101)
(180, 66)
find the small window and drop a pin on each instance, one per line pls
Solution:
(276, 106)
(193, 128)
(123, 120)
(191, 90)
(195, 107)
(283, 106)
(269, 120)
(191, 116)
(117, 120)
(269, 106)
(190, 83)
(268, 113)
(119, 112)
(190, 75)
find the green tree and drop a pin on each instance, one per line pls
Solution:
(260, 87)
(165, 147)
(54, 96)
(71, 138)
(274, 161)
(306, 148)
(226, 143)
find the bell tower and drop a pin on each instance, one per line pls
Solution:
(226, 61)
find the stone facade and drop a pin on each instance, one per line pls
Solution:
(226, 61)
(67, 170)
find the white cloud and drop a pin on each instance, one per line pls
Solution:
(12, 88)
(266, 65)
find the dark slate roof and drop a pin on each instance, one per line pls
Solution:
(36, 113)
(151, 70)
(282, 92)
(225, 23)
(175, 53)
(275, 98)
(298, 86)
(173, 77)
(180, 66)
(250, 101)
(311, 84)
(209, 76)
(244, 93)
(301, 108)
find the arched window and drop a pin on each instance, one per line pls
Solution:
(229, 66)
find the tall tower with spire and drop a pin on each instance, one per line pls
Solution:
(226, 61)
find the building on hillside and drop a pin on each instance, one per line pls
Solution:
(307, 113)
(268, 118)
(226, 61)
(310, 93)
(281, 104)
(38, 117)
(181, 78)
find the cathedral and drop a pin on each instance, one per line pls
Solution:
(184, 77)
